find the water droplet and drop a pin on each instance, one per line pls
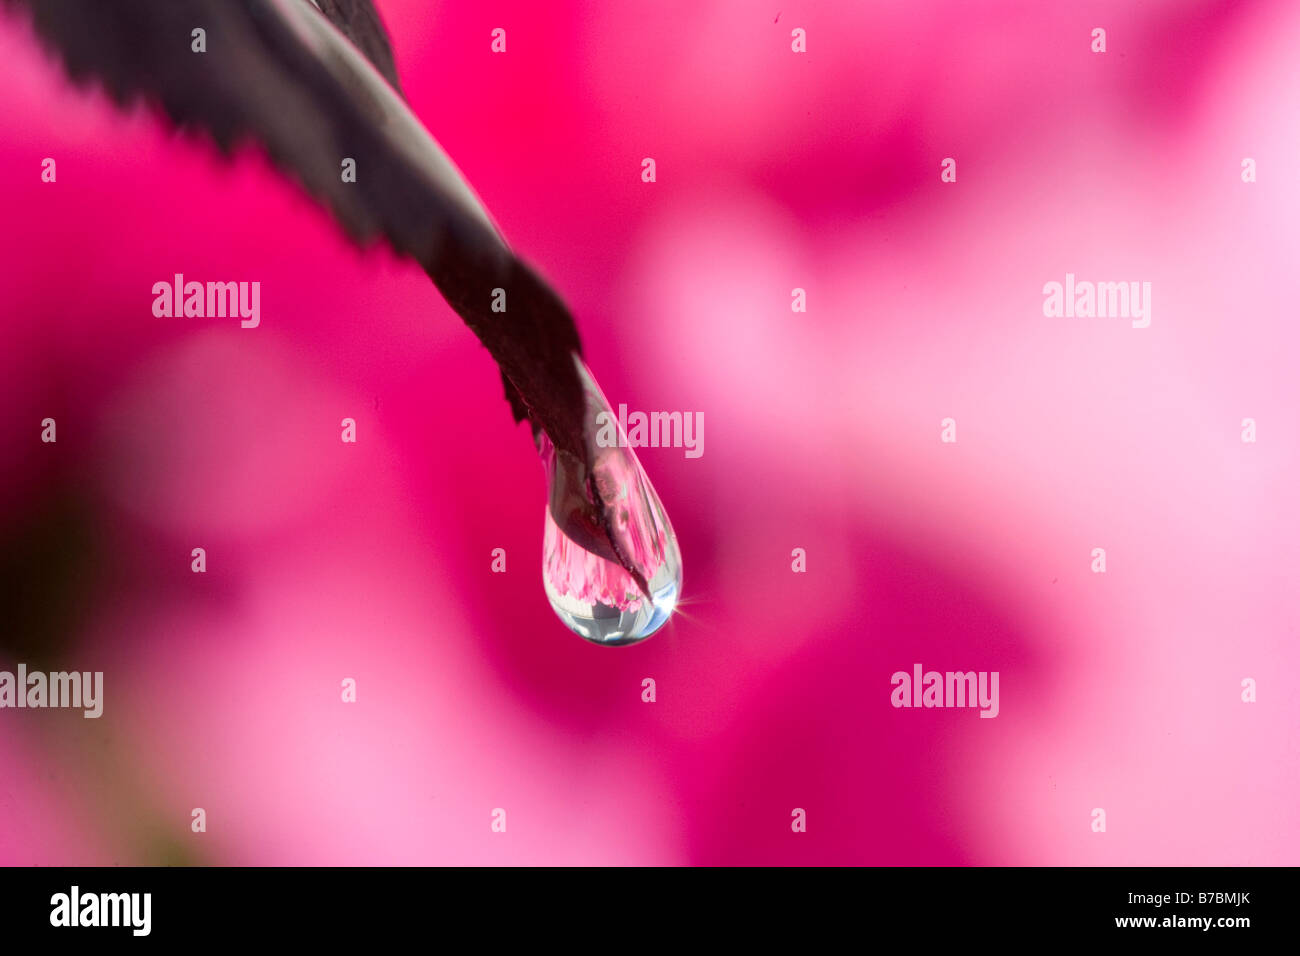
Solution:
(610, 562)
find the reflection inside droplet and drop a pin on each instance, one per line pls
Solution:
(610, 562)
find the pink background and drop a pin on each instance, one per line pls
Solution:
(775, 170)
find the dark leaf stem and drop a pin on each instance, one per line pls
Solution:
(315, 83)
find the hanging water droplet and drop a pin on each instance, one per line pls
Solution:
(610, 562)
